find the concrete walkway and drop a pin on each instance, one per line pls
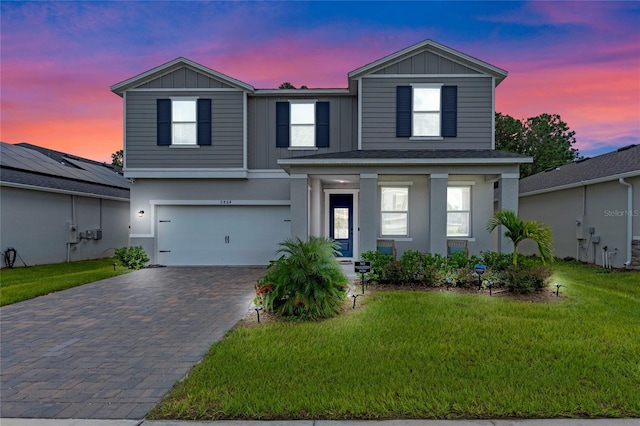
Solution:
(112, 349)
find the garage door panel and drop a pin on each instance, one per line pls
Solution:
(220, 235)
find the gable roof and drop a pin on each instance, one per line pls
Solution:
(625, 162)
(120, 88)
(438, 48)
(25, 165)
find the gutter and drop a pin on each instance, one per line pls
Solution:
(629, 219)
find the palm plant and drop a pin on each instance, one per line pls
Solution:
(306, 281)
(518, 230)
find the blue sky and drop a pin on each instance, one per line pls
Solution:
(577, 59)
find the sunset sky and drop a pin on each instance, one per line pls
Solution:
(580, 60)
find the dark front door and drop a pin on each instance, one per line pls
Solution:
(341, 222)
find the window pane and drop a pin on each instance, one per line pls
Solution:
(459, 198)
(426, 124)
(426, 99)
(395, 199)
(303, 113)
(184, 110)
(303, 135)
(394, 224)
(458, 224)
(184, 134)
(340, 223)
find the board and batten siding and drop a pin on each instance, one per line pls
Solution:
(426, 63)
(262, 151)
(227, 128)
(475, 113)
(183, 78)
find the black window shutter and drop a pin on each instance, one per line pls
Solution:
(204, 121)
(322, 124)
(163, 119)
(449, 114)
(282, 124)
(404, 111)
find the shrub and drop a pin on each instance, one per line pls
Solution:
(395, 272)
(526, 278)
(306, 281)
(378, 261)
(496, 261)
(413, 262)
(132, 257)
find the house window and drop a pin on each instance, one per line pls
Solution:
(458, 211)
(394, 208)
(183, 121)
(426, 111)
(303, 124)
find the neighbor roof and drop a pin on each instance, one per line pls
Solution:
(33, 166)
(625, 162)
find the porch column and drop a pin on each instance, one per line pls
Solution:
(299, 206)
(369, 212)
(316, 212)
(438, 213)
(507, 200)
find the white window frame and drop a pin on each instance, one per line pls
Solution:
(175, 122)
(383, 212)
(414, 111)
(293, 142)
(467, 211)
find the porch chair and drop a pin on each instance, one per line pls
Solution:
(455, 246)
(387, 247)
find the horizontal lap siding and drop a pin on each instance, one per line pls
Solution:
(426, 63)
(475, 114)
(262, 150)
(226, 150)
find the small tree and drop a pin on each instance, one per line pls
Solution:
(519, 230)
(117, 157)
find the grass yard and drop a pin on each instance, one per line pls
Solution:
(20, 284)
(404, 354)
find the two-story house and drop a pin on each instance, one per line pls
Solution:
(222, 172)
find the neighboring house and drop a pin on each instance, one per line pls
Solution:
(592, 205)
(56, 207)
(224, 171)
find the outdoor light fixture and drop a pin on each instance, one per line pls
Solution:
(558, 289)
(258, 309)
(448, 283)
(355, 297)
(140, 213)
(490, 285)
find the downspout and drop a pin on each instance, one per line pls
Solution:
(629, 219)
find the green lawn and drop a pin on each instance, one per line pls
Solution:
(433, 355)
(20, 284)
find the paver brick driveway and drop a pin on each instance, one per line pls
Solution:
(112, 349)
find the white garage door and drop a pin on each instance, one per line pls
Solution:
(220, 235)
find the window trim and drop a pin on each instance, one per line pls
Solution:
(469, 186)
(292, 145)
(415, 86)
(193, 99)
(404, 185)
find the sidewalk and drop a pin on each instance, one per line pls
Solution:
(537, 422)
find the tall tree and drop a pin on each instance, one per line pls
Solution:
(117, 157)
(546, 138)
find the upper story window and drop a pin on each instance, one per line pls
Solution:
(302, 124)
(394, 211)
(184, 121)
(426, 111)
(458, 211)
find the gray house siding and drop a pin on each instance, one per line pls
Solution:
(426, 63)
(262, 150)
(601, 206)
(226, 150)
(475, 114)
(41, 235)
(183, 78)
